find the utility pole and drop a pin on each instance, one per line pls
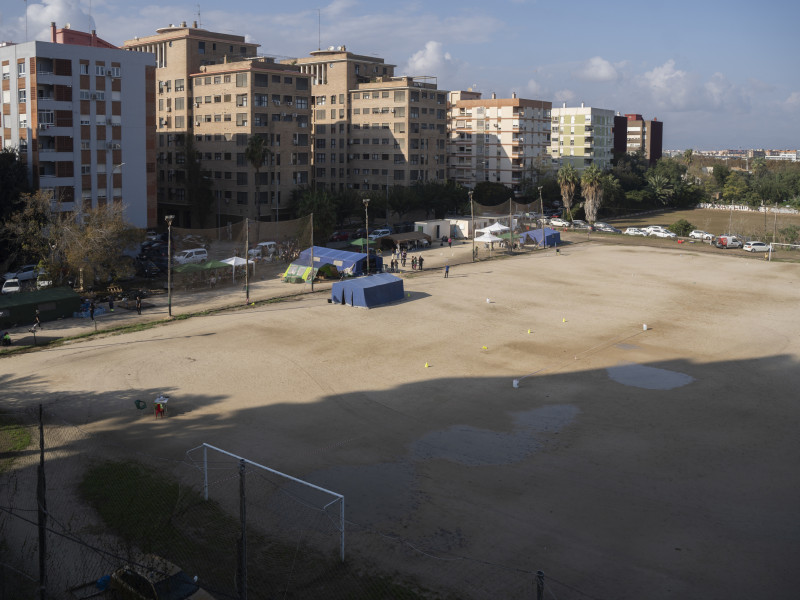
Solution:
(472, 225)
(312, 251)
(41, 496)
(541, 213)
(246, 259)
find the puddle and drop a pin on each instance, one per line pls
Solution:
(649, 378)
(473, 446)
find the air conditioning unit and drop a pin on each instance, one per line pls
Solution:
(197, 123)
(289, 103)
(294, 115)
(169, 109)
(283, 114)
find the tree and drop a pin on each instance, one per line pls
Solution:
(491, 193)
(567, 179)
(659, 186)
(688, 157)
(197, 183)
(592, 188)
(735, 188)
(681, 227)
(720, 174)
(257, 154)
(13, 183)
(323, 206)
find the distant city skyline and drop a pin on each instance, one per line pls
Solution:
(717, 75)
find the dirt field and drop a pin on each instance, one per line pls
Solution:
(628, 463)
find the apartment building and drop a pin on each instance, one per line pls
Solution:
(632, 134)
(373, 130)
(582, 136)
(502, 140)
(235, 100)
(80, 111)
(180, 51)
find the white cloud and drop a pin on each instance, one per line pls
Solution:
(671, 88)
(596, 69)
(339, 8)
(793, 101)
(722, 94)
(59, 11)
(564, 96)
(431, 60)
(535, 88)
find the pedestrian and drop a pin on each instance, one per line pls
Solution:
(413, 263)
(91, 310)
(419, 262)
(139, 303)
(446, 271)
(111, 303)
(449, 242)
(37, 321)
(6, 339)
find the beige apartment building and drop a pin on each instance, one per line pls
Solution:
(373, 130)
(236, 100)
(502, 140)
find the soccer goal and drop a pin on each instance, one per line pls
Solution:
(786, 250)
(279, 502)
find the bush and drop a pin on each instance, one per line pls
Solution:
(682, 227)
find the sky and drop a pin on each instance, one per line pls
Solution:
(718, 74)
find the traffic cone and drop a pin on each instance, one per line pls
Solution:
(426, 365)
(563, 320)
(484, 348)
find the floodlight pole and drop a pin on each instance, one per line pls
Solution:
(246, 260)
(169, 219)
(472, 225)
(312, 251)
(366, 222)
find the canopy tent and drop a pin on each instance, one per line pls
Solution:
(488, 237)
(551, 236)
(493, 228)
(236, 261)
(361, 242)
(368, 292)
(409, 238)
(345, 263)
(190, 268)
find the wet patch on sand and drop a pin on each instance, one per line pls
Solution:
(473, 446)
(649, 378)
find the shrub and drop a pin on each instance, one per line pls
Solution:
(682, 227)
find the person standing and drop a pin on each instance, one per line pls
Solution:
(449, 242)
(446, 271)
(91, 310)
(111, 303)
(139, 303)
(419, 262)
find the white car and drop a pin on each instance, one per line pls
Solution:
(699, 234)
(651, 229)
(578, 224)
(191, 256)
(634, 231)
(25, 273)
(267, 248)
(379, 233)
(756, 247)
(11, 286)
(663, 233)
(559, 222)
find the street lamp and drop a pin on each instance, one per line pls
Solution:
(169, 219)
(366, 221)
(472, 225)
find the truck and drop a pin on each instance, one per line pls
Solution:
(728, 241)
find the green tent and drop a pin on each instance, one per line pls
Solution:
(361, 242)
(215, 264)
(190, 268)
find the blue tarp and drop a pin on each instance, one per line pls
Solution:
(368, 291)
(348, 263)
(551, 236)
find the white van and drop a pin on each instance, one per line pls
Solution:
(193, 255)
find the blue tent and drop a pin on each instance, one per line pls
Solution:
(551, 236)
(368, 291)
(347, 263)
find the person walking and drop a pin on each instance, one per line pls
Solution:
(91, 310)
(413, 263)
(139, 303)
(449, 242)
(37, 321)
(419, 262)
(111, 303)
(446, 271)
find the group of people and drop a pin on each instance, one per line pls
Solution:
(400, 258)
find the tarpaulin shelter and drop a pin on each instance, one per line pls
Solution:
(346, 263)
(368, 292)
(53, 303)
(551, 236)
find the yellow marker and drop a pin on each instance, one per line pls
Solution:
(563, 320)
(484, 348)
(426, 365)
(529, 330)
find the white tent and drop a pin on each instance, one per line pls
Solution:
(236, 261)
(488, 237)
(493, 228)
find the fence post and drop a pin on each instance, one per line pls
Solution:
(242, 570)
(539, 585)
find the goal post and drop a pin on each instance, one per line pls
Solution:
(332, 497)
(794, 249)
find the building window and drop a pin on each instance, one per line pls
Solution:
(241, 80)
(241, 197)
(22, 96)
(241, 119)
(241, 178)
(201, 47)
(179, 85)
(21, 69)
(241, 99)
(84, 69)
(99, 70)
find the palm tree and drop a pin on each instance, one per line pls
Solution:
(592, 188)
(660, 187)
(688, 157)
(257, 154)
(567, 178)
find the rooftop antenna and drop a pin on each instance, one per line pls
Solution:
(199, 20)
(26, 20)
(319, 29)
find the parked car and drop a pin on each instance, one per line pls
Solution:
(606, 228)
(378, 233)
(193, 255)
(155, 578)
(339, 236)
(699, 234)
(147, 268)
(756, 247)
(43, 281)
(651, 229)
(559, 222)
(267, 248)
(663, 233)
(24, 273)
(634, 231)
(728, 241)
(11, 286)
(578, 224)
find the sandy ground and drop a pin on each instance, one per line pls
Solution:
(628, 463)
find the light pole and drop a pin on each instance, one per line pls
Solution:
(366, 224)
(541, 213)
(169, 219)
(472, 224)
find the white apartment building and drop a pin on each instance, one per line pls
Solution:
(581, 135)
(502, 140)
(79, 111)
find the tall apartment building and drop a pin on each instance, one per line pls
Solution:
(632, 133)
(502, 140)
(81, 113)
(582, 136)
(373, 130)
(235, 100)
(180, 51)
